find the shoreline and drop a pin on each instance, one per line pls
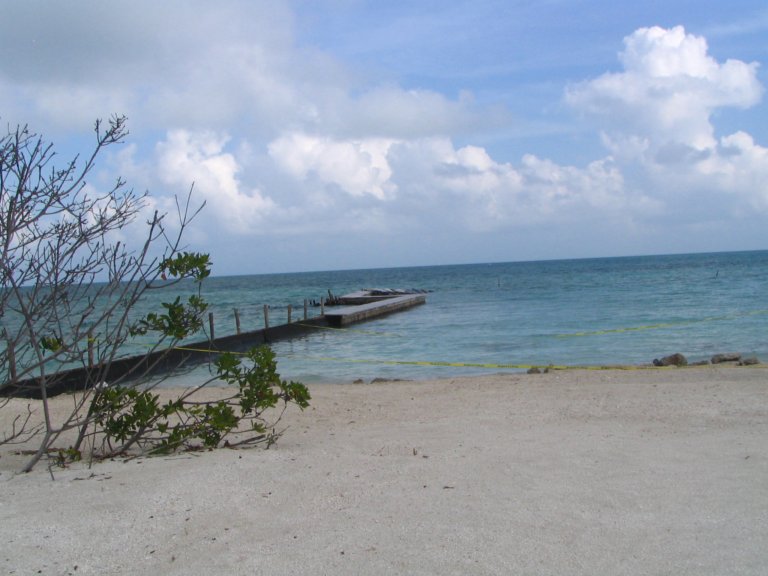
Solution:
(641, 471)
(479, 370)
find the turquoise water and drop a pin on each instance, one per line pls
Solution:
(567, 312)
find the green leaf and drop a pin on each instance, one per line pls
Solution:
(51, 343)
(187, 265)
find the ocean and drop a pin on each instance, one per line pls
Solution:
(586, 312)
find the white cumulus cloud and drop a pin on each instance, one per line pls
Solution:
(668, 90)
(184, 158)
(656, 118)
(357, 167)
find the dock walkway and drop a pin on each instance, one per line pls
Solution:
(357, 313)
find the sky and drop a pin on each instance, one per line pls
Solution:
(343, 134)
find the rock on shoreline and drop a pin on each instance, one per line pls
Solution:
(678, 359)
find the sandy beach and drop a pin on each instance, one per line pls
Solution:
(578, 472)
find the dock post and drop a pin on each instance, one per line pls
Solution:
(90, 348)
(210, 324)
(322, 307)
(237, 320)
(289, 313)
(306, 304)
(11, 359)
(266, 317)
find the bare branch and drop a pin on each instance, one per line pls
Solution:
(20, 430)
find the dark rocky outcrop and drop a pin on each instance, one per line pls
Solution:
(671, 360)
(728, 357)
(680, 360)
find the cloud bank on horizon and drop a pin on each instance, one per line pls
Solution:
(316, 150)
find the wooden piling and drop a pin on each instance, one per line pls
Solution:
(237, 320)
(290, 309)
(11, 360)
(90, 349)
(212, 335)
(266, 317)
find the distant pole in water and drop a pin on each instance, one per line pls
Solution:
(11, 359)
(90, 348)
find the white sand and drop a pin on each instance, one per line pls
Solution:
(640, 472)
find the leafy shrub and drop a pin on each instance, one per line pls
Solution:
(126, 417)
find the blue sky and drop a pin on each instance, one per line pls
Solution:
(333, 134)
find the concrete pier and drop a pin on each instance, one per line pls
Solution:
(189, 354)
(350, 314)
